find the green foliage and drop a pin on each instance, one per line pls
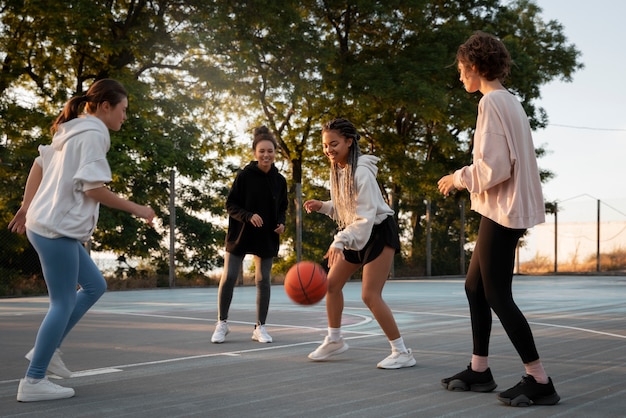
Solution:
(196, 69)
(54, 56)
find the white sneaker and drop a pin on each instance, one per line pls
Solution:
(397, 360)
(260, 334)
(328, 348)
(221, 330)
(44, 390)
(56, 366)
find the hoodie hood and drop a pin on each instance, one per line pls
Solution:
(78, 126)
(369, 162)
(254, 166)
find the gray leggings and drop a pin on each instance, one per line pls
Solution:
(232, 268)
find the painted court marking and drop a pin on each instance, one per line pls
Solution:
(364, 319)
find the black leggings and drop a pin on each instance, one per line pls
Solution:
(488, 286)
(232, 268)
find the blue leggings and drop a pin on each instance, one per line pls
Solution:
(65, 264)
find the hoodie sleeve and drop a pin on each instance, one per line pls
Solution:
(236, 198)
(93, 169)
(283, 202)
(492, 160)
(327, 208)
(356, 235)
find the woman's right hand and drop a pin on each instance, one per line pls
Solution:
(312, 205)
(256, 220)
(446, 184)
(147, 213)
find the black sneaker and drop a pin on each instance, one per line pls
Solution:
(528, 392)
(470, 380)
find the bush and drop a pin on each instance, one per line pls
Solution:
(15, 284)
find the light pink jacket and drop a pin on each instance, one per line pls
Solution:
(503, 179)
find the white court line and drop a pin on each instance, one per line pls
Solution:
(95, 372)
(608, 334)
(236, 353)
(591, 331)
(366, 319)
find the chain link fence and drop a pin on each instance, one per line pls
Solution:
(585, 235)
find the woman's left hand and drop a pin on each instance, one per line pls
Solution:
(280, 229)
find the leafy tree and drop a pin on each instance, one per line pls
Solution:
(151, 49)
(395, 64)
(269, 55)
(193, 67)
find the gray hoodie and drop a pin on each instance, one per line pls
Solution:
(73, 163)
(371, 208)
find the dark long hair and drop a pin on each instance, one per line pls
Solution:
(105, 90)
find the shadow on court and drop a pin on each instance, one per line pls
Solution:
(147, 353)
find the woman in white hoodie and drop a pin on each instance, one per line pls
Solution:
(368, 238)
(59, 212)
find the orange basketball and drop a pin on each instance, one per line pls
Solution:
(305, 283)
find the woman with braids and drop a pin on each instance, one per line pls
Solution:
(367, 237)
(59, 212)
(257, 207)
(505, 189)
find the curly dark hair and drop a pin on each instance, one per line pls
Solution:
(487, 54)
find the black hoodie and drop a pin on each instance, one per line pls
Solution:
(254, 191)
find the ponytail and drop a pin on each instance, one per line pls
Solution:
(104, 90)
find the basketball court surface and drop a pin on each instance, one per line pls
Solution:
(147, 353)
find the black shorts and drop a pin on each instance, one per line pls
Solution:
(385, 234)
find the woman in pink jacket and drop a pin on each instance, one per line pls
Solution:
(503, 181)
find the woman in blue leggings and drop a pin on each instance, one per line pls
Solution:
(59, 212)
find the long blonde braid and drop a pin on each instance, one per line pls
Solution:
(344, 192)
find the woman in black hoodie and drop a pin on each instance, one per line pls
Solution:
(256, 205)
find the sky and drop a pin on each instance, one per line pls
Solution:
(586, 135)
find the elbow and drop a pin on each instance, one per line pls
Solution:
(89, 193)
(95, 193)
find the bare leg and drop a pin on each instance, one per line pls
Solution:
(337, 278)
(375, 275)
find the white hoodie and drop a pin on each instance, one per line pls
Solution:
(73, 163)
(371, 208)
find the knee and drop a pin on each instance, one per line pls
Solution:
(370, 298)
(96, 288)
(263, 283)
(470, 293)
(333, 286)
(102, 288)
(501, 305)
